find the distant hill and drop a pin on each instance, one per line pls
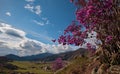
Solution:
(48, 56)
(66, 56)
(28, 58)
(13, 57)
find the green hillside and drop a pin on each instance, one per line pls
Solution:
(76, 66)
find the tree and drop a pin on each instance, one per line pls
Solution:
(101, 16)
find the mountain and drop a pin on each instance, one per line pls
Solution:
(13, 57)
(48, 56)
(66, 56)
(28, 58)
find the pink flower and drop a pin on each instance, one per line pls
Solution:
(108, 39)
(58, 64)
(88, 45)
(62, 39)
(90, 16)
(71, 1)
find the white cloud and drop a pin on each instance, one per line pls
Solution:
(14, 41)
(8, 13)
(59, 48)
(29, 7)
(39, 23)
(37, 9)
(44, 21)
(33, 8)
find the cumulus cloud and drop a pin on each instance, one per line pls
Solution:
(59, 48)
(14, 41)
(33, 8)
(8, 13)
(7, 29)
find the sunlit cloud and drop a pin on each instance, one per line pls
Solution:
(33, 8)
(14, 41)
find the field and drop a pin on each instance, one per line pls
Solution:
(32, 67)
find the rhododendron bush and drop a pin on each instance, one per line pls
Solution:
(57, 64)
(101, 16)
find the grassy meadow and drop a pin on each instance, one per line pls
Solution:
(32, 67)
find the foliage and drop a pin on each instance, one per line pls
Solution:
(57, 64)
(75, 66)
(101, 16)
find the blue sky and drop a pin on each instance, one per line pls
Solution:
(42, 20)
(28, 26)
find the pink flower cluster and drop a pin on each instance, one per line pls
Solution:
(57, 64)
(108, 39)
(91, 48)
(90, 15)
(73, 35)
(94, 12)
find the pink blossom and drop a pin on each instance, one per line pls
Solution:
(57, 64)
(90, 15)
(108, 39)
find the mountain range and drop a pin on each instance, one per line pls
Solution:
(49, 56)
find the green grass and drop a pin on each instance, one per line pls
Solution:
(74, 66)
(4, 70)
(33, 67)
(38, 68)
